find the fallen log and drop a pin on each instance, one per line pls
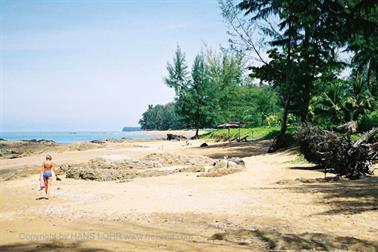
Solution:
(331, 150)
(365, 137)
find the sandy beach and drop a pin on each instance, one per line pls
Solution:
(170, 200)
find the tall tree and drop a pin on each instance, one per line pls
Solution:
(178, 73)
(302, 46)
(361, 33)
(226, 71)
(279, 70)
(195, 97)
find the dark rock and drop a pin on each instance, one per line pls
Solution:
(42, 141)
(175, 137)
(46, 141)
(97, 141)
(204, 145)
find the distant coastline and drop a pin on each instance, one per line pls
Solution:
(127, 128)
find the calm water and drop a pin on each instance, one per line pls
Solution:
(70, 137)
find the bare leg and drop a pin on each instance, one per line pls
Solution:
(49, 184)
(46, 185)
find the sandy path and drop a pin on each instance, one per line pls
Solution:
(181, 211)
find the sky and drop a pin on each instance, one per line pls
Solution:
(94, 65)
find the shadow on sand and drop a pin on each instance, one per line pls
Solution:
(48, 246)
(117, 245)
(274, 240)
(41, 198)
(307, 168)
(344, 196)
(235, 149)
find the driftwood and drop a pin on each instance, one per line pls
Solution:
(331, 150)
(349, 127)
(175, 137)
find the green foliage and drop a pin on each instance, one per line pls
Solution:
(218, 90)
(362, 37)
(299, 69)
(303, 54)
(177, 72)
(160, 117)
(127, 128)
(300, 48)
(327, 105)
(226, 71)
(258, 106)
(337, 101)
(369, 121)
(195, 100)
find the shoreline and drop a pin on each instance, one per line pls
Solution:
(107, 136)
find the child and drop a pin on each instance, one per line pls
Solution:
(47, 174)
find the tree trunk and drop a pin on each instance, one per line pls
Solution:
(280, 140)
(306, 99)
(284, 117)
(307, 80)
(288, 83)
(368, 76)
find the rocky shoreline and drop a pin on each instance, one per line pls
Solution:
(155, 164)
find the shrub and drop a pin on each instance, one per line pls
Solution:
(368, 121)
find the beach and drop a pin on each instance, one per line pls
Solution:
(177, 196)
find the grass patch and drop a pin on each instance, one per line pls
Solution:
(250, 133)
(354, 137)
(258, 133)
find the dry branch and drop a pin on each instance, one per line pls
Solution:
(331, 150)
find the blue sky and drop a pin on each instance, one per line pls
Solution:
(94, 65)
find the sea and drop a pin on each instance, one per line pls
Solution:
(79, 136)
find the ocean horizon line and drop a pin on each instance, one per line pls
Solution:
(75, 136)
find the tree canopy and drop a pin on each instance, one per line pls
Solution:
(288, 62)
